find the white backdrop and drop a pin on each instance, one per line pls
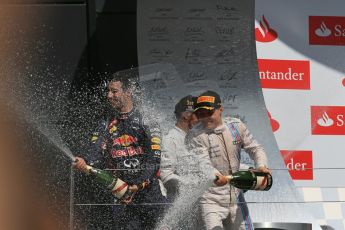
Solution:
(310, 110)
(210, 45)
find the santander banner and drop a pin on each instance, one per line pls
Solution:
(328, 120)
(326, 30)
(284, 74)
(299, 163)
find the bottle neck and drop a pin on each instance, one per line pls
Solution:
(229, 177)
(90, 170)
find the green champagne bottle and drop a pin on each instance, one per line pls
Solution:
(118, 187)
(251, 180)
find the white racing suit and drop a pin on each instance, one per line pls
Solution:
(173, 151)
(181, 165)
(223, 207)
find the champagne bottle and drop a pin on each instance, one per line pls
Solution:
(118, 187)
(251, 180)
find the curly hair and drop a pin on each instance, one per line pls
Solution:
(128, 77)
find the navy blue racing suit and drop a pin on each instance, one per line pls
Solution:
(131, 148)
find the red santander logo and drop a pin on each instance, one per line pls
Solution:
(299, 163)
(274, 123)
(284, 74)
(326, 30)
(265, 33)
(328, 120)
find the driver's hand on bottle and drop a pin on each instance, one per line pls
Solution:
(264, 169)
(80, 164)
(133, 189)
(220, 180)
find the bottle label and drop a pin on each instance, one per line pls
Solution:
(119, 188)
(263, 182)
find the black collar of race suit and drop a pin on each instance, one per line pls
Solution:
(124, 116)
